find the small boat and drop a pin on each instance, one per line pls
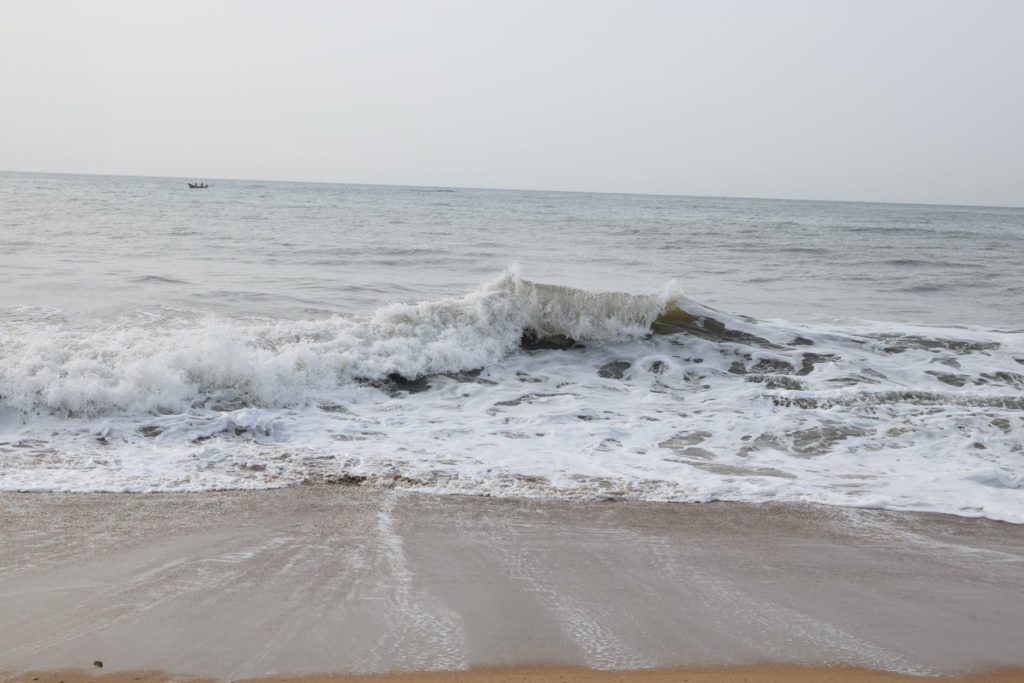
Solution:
(198, 186)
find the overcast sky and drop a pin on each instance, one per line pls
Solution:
(915, 101)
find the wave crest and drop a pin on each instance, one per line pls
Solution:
(62, 369)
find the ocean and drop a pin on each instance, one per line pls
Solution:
(509, 343)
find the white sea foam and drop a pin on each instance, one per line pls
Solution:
(165, 365)
(714, 407)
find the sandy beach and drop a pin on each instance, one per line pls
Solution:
(734, 674)
(349, 580)
(407, 341)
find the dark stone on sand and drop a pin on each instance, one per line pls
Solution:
(395, 383)
(614, 370)
(531, 341)
(949, 378)
(469, 376)
(898, 343)
(770, 365)
(344, 479)
(1001, 423)
(777, 382)
(676, 321)
(809, 360)
(98, 664)
(1003, 377)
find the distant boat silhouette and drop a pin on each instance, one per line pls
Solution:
(198, 186)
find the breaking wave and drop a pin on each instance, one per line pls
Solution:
(521, 389)
(119, 367)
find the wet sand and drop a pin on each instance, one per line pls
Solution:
(350, 580)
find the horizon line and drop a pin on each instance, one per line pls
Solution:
(520, 189)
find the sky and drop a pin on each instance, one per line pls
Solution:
(867, 100)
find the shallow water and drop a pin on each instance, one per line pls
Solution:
(154, 337)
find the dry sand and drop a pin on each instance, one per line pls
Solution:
(733, 674)
(344, 579)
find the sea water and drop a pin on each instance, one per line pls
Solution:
(532, 344)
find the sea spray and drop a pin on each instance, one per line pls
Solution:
(657, 397)
(116, 367)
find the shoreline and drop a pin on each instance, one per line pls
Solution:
(295, 581)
